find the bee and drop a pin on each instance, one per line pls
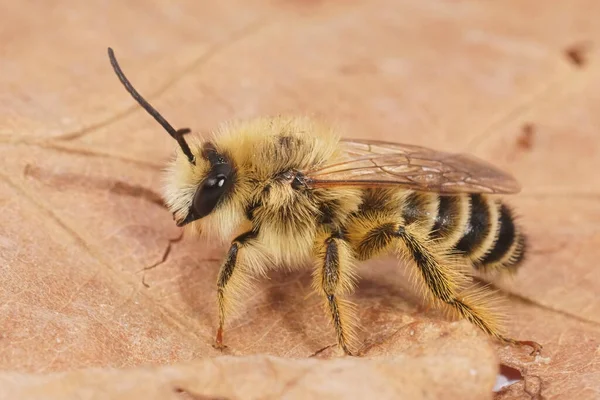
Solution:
(288, 191)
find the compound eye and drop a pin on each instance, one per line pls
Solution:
(211, 191)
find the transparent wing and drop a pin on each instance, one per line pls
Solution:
(372, 163)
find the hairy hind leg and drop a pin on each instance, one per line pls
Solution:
(436, 269)
(443, 283)
(332, 278)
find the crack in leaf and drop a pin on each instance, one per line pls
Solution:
(127, 189)
(316, 353)
(120, 188)
(236, 37)
(376, 343)
(511, 374)
(163, 259)
(188, 394)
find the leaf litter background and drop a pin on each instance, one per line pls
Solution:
(514, 82)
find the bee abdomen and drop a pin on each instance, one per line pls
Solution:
(480, 228)
(508, 250)
(452, 217)
(420, 208)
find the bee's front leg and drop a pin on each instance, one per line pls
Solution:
(333, 277)
(229, 272)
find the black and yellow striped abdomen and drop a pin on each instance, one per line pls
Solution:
(477, 226)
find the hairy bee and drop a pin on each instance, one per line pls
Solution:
(289, 191)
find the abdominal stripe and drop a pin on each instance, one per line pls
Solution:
(478, 226)
(506, 237)
(449, 219)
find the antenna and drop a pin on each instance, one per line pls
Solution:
(175, 134)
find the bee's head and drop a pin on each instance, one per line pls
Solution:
(199, 180)
(194, 191)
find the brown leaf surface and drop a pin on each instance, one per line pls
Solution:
(82, 218)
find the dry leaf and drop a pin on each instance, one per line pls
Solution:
(421, 373)
(83, 218)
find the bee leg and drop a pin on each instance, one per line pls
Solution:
(332, 278)
(225, 274)
(443, 283)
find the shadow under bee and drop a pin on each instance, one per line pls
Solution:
(287, 299)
